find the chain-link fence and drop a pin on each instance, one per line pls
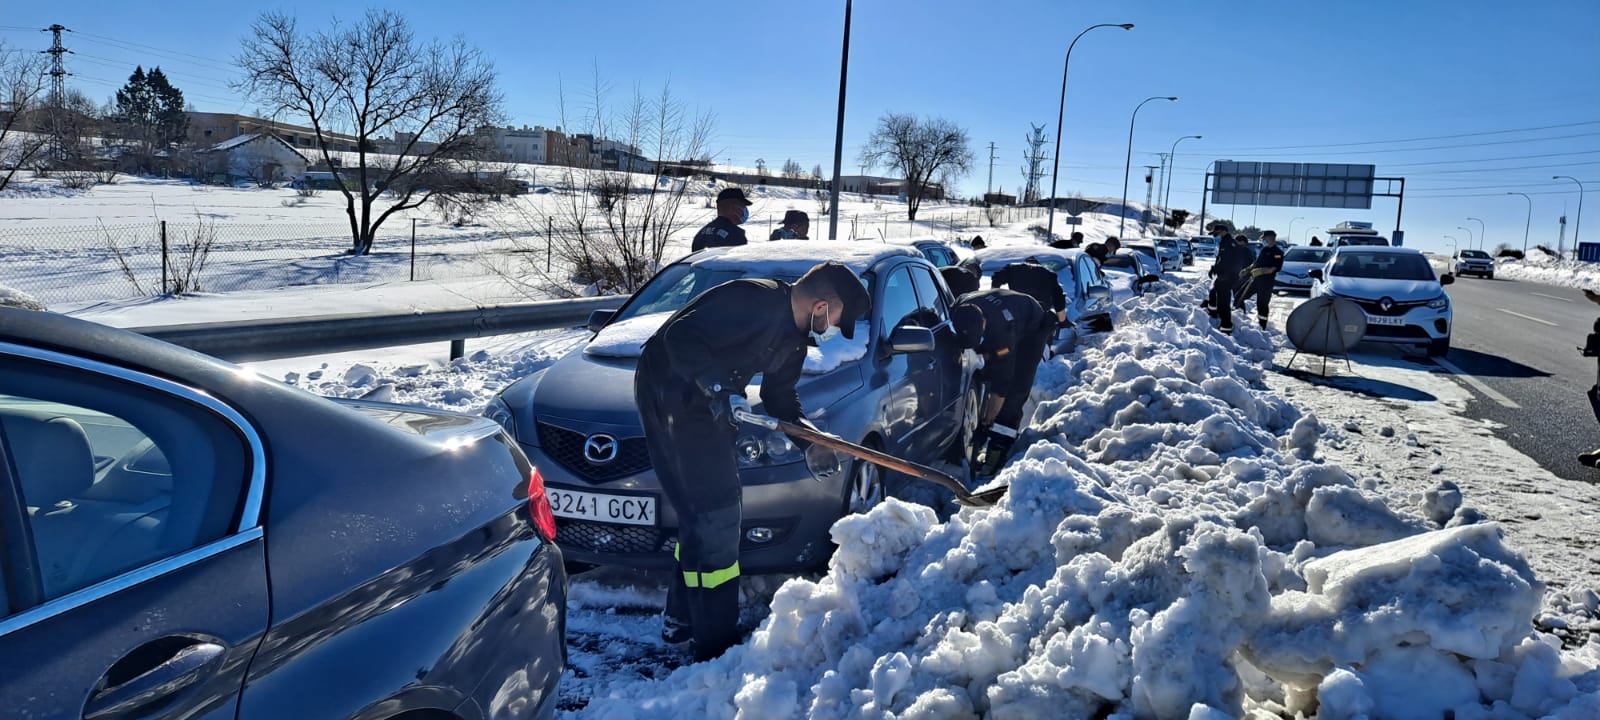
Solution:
(94, 263)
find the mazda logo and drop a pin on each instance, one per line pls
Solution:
(600, 448)
(1387, 304)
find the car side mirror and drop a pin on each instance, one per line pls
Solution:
(1098, 292)
(1447, 279)
(599, 318)
(910, 339)
(1315, 274)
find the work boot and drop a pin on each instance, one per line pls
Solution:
(1263, 323)
(1590, 459)
(999, 449)
(674, 631)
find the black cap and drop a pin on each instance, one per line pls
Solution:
(796, 217)
(959, 280)
(968, 322)
(733, 193)
(844, 283)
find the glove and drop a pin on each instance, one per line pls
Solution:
(822, 461)
(1258, 272)
(725, 407)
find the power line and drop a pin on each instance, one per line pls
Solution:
(152, 48)
(1415, 139)
(1514, 157)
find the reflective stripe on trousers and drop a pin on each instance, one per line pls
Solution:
(707, 580)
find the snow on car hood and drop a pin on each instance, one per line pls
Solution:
(1376, 288)
(626, 339)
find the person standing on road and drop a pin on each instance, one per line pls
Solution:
(1591, 348)
(1031, 278)
(1316, 241)
(796, 226)
(689, 385)
(733, 208)
(1011, 331)
(1262, 277)
(1233, 257)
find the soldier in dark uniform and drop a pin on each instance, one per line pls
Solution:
(691, 377)
(960, 279)
(1261, 277)
(1034, 280)
(1233, 257)
(1010, 330)
(796, 226)
(733, 208)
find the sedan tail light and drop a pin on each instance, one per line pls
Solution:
(544, 520)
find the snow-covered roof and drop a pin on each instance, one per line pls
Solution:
(994, 257)
(248, 138)
(791, 258)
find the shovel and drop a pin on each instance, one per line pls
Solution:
(984, 499)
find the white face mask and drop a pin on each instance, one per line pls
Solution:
(826, 333)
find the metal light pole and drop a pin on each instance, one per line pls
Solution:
(1061, 113)
(1483, 233)
(1166, 195)
(838, 132)
(1579, 224)
(1127, 165)
(1454, 248)
(1289, 236)
(1470, 239)
(1307, 236)
(1528, 224)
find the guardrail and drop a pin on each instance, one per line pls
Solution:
(248, 340)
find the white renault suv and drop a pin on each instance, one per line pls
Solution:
(1404, 300)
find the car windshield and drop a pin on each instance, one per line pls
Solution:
(1385, 266)
(1307, 255)
(675, 286)
(1122, 262)
(1475, 254)
(1145, 249)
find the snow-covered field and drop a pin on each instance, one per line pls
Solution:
(1193, 531)
(1545, 268)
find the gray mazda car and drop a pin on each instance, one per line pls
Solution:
(903, 385)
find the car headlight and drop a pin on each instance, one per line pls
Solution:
(760, 447)
(1439, 303)
(498, 411)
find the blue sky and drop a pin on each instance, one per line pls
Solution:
(1286, 81)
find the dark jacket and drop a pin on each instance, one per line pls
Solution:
(1230, 262)
(1009, 317)
(730, 333)
(720, 232)
(1270, 258)
(1034, 280)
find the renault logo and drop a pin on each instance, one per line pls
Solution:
(600, 448)
(1386, 304)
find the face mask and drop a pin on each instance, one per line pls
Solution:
(828, 332)
(744, 216)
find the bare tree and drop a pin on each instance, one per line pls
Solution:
(792, 169)
(365, 80)
(22, 89)
(920, 150)
(761, 167)
(1034, 169)
(611, 231)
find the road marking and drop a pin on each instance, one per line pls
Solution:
(1552, 297)
(1525, 317)
(1480, 385)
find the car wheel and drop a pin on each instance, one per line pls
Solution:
(1439, 348)
(863, 490)
(1489, 276)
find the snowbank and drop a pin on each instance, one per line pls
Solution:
(626, 340)
(11, 297)
(1544, 268)
(1171, 547)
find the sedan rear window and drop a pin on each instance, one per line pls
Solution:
(1385, 266)
(1307, 254)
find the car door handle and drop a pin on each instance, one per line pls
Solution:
(182, 670)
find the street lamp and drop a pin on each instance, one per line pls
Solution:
(1307, 236)
(1483, 233)
(1061, 114)
(1127, 165)
(1454, 249)
(1469, 235)
(1579, 224)
(1527, 224)
(1166, 196)
(1289, 236)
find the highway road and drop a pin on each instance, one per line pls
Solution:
(1515, 345)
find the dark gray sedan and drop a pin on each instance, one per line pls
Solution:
(902, 385)
(181, 538)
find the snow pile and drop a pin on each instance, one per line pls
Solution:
(11, 297)
(1542, 267)
(1170, 548)
(626, 340)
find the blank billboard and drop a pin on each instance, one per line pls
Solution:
(1322, 185)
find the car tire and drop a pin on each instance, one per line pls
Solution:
(1439, 348)
(864, 486)
(1488, 276)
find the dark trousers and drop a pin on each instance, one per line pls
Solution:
(1016, 387)
(1262, 289)
(1222, 303)
(699, 475)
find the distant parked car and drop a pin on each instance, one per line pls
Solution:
(184, 538)
(1404, 300)
(1204, 248)
(936, 252)
(902, 385)
(1298, 262)
(1185, 251)
(1167, 258)
(1132, 273)
(1089, 298)
(1476, 262)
